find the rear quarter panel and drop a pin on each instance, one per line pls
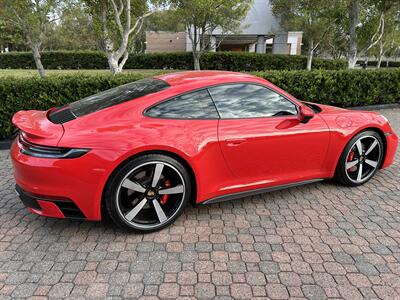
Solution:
(196, 141)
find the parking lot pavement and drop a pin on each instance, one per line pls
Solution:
(315, 241)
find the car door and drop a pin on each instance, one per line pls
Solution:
(262, 138)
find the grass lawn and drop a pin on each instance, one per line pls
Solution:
(34, 73)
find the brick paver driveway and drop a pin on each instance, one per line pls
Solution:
(316, 241)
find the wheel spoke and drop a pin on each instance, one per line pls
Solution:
(159, 211)
(371, 163)
(373, 145)
(359, 147)
(351, 164)
(360, 171)
(157, 174)
(132, 214)
(174, 190)
(133, 185)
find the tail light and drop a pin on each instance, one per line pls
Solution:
(40, 151)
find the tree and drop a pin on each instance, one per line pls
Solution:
(73, 31)
(203, 17)
(314, 17)
(10, 37)
(335, 43)
(117, 23)
(354, 12)
(33, 19)
(166, 20)
(390, 41)
(367, 20)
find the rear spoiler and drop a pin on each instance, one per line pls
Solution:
(37, 126)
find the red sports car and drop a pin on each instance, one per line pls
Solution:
(141, 151)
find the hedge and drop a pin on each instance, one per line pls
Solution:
(342, 88)
(230, 61)
(372, 63)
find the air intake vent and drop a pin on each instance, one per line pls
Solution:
(61, 115)
(69, 209)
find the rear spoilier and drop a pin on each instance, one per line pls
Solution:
(37, 128)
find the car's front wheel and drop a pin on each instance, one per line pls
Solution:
(360, 159)
(148, 193)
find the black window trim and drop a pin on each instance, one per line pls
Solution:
(297, 106)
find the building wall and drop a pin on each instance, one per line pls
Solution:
(165, 41)
(287, 43)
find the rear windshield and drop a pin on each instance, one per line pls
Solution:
(117, 95)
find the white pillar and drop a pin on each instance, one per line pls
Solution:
(252, 48)
(261, 44)
(294, 40)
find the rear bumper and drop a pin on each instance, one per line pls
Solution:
(61, 188)
(391, 146)
(56, 207)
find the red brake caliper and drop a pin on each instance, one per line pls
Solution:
(350, 158)
(164, 198)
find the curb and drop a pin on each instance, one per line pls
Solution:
(6, 144)
(376, 107)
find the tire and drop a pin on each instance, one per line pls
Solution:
(360, 159)
(148, 193)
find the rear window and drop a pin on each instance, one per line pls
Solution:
(107, 98)
(117, 95)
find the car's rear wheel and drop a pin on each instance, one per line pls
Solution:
(360, 159)
(148, 193)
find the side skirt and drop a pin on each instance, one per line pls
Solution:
(239, 195)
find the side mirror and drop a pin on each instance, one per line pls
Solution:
(305, 114)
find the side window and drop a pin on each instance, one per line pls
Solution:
(196, 105)
(242, 100)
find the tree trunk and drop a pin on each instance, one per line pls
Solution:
(196, 59)
(378, 64)
(354, 19)
(115, 68)
(380, 55)
(310, 54)
(36, 56)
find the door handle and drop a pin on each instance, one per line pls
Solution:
(234, 142)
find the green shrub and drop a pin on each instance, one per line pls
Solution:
(230, 61)
(372, 63)
(342, 88)
(55, 60)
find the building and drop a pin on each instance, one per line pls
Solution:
(260, 33)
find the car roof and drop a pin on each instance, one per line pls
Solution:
(204, 78)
